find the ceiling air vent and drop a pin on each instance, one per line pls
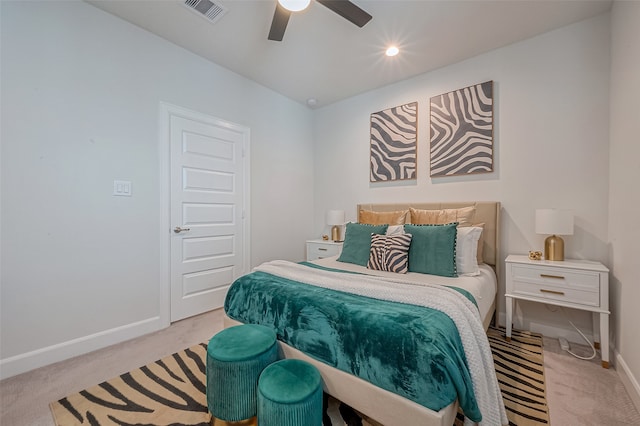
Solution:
(206, 9)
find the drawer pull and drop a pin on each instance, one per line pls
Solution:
(558, 277)
(561, 293)
(322, 249)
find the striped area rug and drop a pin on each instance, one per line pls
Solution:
(171, 391)
(519, 367)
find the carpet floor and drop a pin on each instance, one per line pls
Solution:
(171, 391)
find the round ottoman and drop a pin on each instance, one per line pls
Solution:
(290, 394)
(235, 358)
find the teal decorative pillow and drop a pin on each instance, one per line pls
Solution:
(357, 242)
(433, 249)
(390, 253)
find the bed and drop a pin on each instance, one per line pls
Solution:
(386, 404)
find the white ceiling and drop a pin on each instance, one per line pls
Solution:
(324, 56)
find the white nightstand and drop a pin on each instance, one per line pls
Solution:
(318, 249)
(577, 284)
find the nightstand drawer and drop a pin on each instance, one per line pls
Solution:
(557, 277)
(556, 292)
(320, 250)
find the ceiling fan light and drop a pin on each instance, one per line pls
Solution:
(294, 5)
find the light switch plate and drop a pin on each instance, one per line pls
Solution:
(122, 188)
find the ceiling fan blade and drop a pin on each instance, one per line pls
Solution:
(279, 23)
(347, 10)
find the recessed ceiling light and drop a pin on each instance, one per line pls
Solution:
(312, 102)
(294, 5)
(392, 51)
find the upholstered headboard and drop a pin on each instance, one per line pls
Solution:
(487, 212)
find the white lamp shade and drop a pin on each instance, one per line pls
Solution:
(554, 222)
(294, 5)
(335, 217)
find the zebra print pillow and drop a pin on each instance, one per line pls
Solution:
(390, 253)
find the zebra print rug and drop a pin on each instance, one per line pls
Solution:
(171, 391)
(520, 370)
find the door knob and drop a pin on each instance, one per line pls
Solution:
(178, 229)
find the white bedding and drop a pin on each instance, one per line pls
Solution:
(483, 287)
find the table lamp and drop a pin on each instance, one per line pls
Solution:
(555, 222)
(335, 218)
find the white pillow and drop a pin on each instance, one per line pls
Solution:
(395, 230)
(467, 251)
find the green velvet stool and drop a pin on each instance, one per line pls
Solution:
(235, 358)
(290, 394)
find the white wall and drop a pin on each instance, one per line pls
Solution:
(624, 196)
(550, 147)
(80, 107)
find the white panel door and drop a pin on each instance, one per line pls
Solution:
(207, 213)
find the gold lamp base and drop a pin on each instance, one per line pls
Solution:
(554, 248)
(335, 233)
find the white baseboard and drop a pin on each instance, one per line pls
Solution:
(628, 380)
(40, 357)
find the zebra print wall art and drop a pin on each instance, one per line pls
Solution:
(394, 135)
(462, 131)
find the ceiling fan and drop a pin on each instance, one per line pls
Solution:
(344, 8)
